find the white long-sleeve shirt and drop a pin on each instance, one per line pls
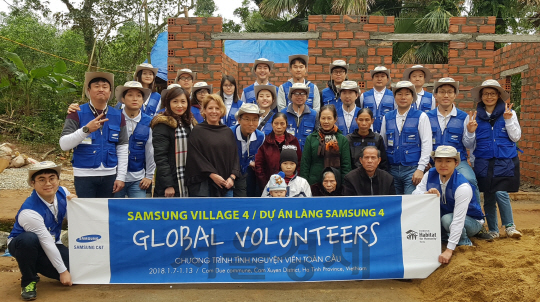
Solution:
(131, 124)
(462, 196)
(32, 221)
(424, 130)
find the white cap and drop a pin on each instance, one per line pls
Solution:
(446, 151)
(405, 84)
(298, 86)
(408, 71)
(475, 92)
(131, 85)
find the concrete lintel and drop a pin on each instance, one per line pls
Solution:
(514, 71)
(509, 38)
(266, 36)
(421, 37)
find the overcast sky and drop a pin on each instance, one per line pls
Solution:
(225, 7)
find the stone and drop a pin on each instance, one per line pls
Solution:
(17, 162)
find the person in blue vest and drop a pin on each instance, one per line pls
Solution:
(338, 74)
(453, 127)
(99, 139)
(301, 120)
(185, 78)
(228, 91)
(266, 99)
(379, 99)
(262, 69)
(347, 111)
(496, 161)
(141, 163)
(146, 74)
(419, 75)
(200, 90)
(298, 69)
(407, 135)
(248, 141)
(461, 214)
(35, 239)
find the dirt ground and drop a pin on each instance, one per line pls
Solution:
(502, 270)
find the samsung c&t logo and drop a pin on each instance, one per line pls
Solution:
(88, 238)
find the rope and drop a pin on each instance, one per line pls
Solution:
(65, 59)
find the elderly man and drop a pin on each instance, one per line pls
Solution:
(99, 139)
(368, 179)
(461, 215)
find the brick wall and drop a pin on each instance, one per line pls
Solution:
(230, 67)
(514, 56)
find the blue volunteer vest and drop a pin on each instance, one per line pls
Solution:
(341, 121)
(102, 150)
(452, 135)
(304, 129)
(197, 114)
(137, 144)
(249, 156)
(425, 102)
(231, 120)
(36, 204)
(151, 108)
(329, 98)
(287, 86)
(249, 93)
(493, 142)
(403, 148)
(456, 180)
(386, 105)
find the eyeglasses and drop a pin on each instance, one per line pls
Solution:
(449, 92)
(201, 92)
(254, 121)
(185, 78)
(490, 94)
(43, 181)
(228, 86)
(299, 93)
(336, 72)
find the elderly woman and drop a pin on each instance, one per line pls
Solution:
(496, 161)
(170, 132)
(267, 158)
(212, 160)
(330, 184)
(325, 148)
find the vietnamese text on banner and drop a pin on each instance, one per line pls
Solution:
(200, 240)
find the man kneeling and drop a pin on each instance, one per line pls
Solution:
(35, 239)
(461, 215)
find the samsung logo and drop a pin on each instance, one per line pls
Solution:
(412, 136)
(89, 238)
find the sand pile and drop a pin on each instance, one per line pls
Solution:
(502, 270)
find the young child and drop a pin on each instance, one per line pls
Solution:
(277, 186)
(298, 186)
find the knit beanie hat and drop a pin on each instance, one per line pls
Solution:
(288, 153)
(277, 183)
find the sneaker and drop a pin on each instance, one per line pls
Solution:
(511, 232)
(485, 235)
(29, 292)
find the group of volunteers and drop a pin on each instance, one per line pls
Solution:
(282, 141)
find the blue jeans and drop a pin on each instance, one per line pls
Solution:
(491, 200)
(95, 186)
(132, 190)
(470, 228)
(403, 178)
(32, 258)
(464, 169)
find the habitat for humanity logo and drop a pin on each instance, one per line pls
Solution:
(411, 235)
(88, 238)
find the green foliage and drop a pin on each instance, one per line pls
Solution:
(515, 94)
(205, 8)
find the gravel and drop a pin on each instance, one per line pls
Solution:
(16, 178)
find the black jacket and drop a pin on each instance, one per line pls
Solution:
(163, 140)
(358, 183)
(357, 143)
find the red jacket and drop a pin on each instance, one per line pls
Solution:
(267, 158)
